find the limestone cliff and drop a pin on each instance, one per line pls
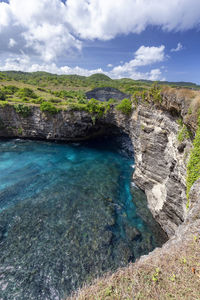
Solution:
(160, 160)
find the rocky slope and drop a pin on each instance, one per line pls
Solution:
(106, 93)
(160, 160)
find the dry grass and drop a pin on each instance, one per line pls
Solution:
(186, 94)
(166, 274)
(191, 99)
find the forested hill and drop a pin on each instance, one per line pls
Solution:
(77, 82)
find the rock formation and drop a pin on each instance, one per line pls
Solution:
(106, 93)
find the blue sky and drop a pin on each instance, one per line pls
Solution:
(146, 39)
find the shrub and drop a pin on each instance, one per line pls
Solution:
(77, 106)
(38, 100)
(92, 106)
(53, 100)
(10, 89)
(23, 110)
(125, 106)
(2, 96)
(3, 103)
(184, 133)
(155, 93)
(41, 89)
(48, 107)
(95, 107)
(193, 167)
(26, 92)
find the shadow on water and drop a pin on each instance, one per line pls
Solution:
(68, 213)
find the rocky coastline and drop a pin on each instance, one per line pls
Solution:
(160, 159)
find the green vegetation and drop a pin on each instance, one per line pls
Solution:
(23, 110)
(9, 89)
(155, 93)
(26, 93)
(20, 131)
(2, 96)
(48, 107)
(94, 107)
(193, 167)
(184, 133)
(125, 106)
(3, 103)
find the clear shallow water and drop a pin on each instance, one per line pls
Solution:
(68, 213)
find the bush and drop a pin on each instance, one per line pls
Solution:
(23, 110)
(2, 96)
(77, 106)
(155, 93)
(193, 167)
(92, 106)
(26, 92)
(10, 89)
(125, 106)
(48, 107)
(53, 100)
(95, 107)
(184, 134)
(3, 103)
(38, 100)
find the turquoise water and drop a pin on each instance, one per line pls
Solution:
(68, 213)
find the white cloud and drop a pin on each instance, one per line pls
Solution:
(178, 48)
(144, 56)
(105, 19)
(50, 28)
(155, 74)
(11, 43)
(42, 27)
(109, 65)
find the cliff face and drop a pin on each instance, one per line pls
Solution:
(160, 161)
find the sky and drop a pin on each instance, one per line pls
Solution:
(138, 39)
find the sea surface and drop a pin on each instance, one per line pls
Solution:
(68, 213)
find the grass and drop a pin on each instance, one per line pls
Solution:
(184, 133)
(166, 274)
(193, 167)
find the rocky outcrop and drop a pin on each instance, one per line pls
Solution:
(106, 93)
(160, 160)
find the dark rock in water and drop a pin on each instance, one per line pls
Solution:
(132, 233)
(106, 93)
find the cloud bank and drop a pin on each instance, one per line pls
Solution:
(144, 56)
(43, 31)
(104, 19)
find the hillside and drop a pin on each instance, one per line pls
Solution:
(69, 91)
